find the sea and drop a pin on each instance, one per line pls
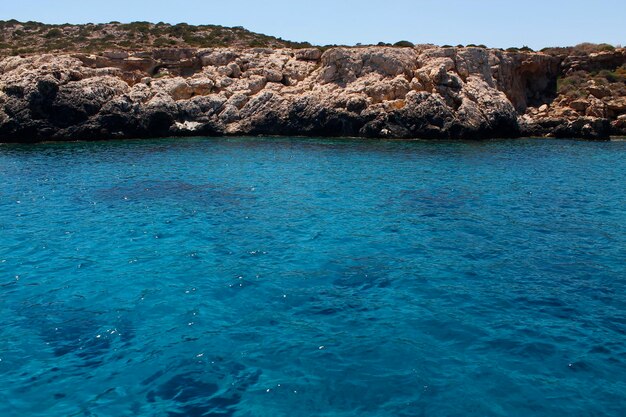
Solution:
(260, 277)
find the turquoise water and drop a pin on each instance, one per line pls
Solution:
(304, 277)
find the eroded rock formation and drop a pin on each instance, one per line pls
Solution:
(420, 92)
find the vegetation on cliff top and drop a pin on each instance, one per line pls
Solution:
(34, 37)
(23, 38)
(582, 49)
(604, 83)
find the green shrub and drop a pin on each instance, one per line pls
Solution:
(53, 33)
(10, 23)
(194, 40)
(25, 51)
(605, 47)
(573, 85)
(181, 30)
(612, 77)
(141, 27)
(163, 42)
(256, 43)
(85, 30)
(590, 48)
(32, 23)
(404, 44)
(156, 31)
(300, 45)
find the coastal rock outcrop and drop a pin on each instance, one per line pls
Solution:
(418, 92)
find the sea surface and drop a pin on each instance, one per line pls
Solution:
(313, 277)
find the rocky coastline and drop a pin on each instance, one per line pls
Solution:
(423, 91)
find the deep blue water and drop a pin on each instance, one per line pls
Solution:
(306, 277)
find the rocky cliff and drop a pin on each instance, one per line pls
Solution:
(388, 92)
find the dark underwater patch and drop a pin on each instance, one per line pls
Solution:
(155, 190)
(77, 331)
(435, 200)
(198, 394)
(359, 273)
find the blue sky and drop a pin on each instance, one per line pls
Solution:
(494, 23)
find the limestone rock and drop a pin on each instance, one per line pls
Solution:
(229, 114)
(425, 91)
(617, 105)
(311, 54)
(596, 108)
(579, 105)
(598, 91)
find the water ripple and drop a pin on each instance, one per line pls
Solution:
(267, 277)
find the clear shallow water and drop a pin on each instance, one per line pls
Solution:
(247, 277)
